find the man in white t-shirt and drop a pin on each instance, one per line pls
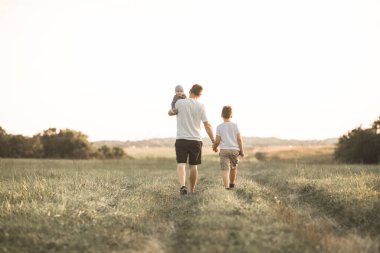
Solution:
(188, 145)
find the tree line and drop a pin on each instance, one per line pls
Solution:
(53, 143)
(360, 145)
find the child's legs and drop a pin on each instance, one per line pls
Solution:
(226, 178)
(225, 166)
(233, 174)
(234, 160)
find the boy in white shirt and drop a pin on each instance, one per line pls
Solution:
(231, 146)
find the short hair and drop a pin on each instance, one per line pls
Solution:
(196, 89)
(227, 112)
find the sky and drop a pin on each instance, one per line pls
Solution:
(290, 69)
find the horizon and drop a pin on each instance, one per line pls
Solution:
(294, 70)
(173, 137)
(205, 137)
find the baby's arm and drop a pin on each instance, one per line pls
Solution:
(175, 99)
(173, 111)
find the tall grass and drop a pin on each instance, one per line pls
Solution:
(135, 206)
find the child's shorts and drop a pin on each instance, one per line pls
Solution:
(229, 159)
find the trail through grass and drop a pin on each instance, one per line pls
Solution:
(135, 206)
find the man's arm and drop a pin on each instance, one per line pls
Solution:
(240, 142)
(209, 131)
(216, 143)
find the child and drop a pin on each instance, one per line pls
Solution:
(231, 146)
(178, 95)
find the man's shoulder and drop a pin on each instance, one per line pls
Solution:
(182, 100)
(190, 101)
(198, 103)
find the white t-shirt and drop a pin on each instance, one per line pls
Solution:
(228, 135)
(190, 115)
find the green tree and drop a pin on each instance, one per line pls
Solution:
(23, 147)
(118, 152)
(66, 144)
(2, 132)
(49, 143)
(359, 146)
(18, 146)
(376, 125)
(4, 146)
(105, 152)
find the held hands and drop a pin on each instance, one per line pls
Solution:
(214, 146)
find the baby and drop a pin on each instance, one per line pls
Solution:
(178, 95)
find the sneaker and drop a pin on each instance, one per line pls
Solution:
(183, 190)
(172, 112)
(232, 185)
(229, 188)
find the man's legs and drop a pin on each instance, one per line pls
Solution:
(193, 177)
(181, 170)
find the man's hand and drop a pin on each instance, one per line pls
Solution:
(215, 143)
(241, 153)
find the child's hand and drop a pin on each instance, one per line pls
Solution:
(241, 153)
(214, 147)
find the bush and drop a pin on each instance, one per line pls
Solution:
(17, 146)
(105, 152)
(65, 144)
(260, 156)
(359, 146)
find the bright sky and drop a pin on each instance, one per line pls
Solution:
(108, 68)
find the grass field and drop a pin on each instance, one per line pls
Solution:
(287, 204)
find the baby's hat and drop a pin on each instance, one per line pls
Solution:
(178, 88)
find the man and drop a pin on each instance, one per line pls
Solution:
(188, 145)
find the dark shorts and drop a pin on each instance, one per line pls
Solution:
(188, 149)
